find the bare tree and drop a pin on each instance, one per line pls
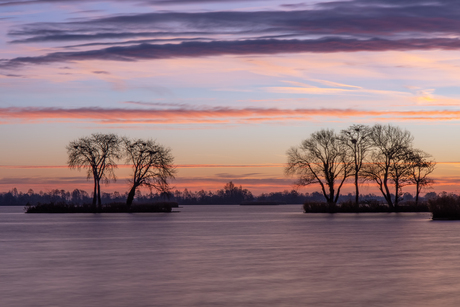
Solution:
(320, 159)
(421, 165)
(152, 166)
(391, 147)
(357, 141)
(97, 154)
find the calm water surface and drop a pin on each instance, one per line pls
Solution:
(228, 256)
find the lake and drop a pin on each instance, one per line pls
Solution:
(228, 256)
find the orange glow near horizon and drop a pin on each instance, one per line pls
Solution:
(270, 178)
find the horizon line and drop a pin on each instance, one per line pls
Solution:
(178, 166)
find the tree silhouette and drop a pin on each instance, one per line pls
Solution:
(358, 143)
(97, 154)
(152, 166)
(421, 166)
(320, 159)
(391, 148)
(234, 194)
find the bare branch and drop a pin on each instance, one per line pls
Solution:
(152, 165)
(97, 154)
(320, 159)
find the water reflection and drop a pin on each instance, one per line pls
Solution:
(228, 256)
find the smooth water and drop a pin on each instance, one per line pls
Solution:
(228, 256)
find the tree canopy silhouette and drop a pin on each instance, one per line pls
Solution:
(358, 143)
(321, 159)
(152, 166)
(391, 149)
(420, 166)
(96, 153)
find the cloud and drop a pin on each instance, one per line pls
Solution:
(63, 37)
(12, 75)
(337, 26)
(57, 181)
(211, 115)
(313, 90)
(330, 83)
(156, 104)
(154, 2)
(247, 47)
(345, 17)
(140, 41)
(101, 72)
(359, 18)
(231, 176)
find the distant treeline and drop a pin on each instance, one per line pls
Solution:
(230, 194)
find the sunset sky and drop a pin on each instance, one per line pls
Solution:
(229, 86)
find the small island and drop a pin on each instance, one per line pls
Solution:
(152, 167)
(62, 207)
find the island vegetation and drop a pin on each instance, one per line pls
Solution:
(152, 167)
(381, 154)
(445, 207)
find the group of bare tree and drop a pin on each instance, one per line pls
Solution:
(382, 154)
(152, 163)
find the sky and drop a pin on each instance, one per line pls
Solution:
(229, 86)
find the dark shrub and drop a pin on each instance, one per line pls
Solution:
(58, 207)
(115, 207)
(411, 206)
(368, 205)
(372, 204)
(348, 206)
(315, 207)
(62, 207)
(445, 206)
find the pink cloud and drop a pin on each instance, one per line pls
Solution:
(209, 115)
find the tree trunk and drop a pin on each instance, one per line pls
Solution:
(397, 189)
(332, 194)
(99, 196)
(417, 192)
(131, 195)
(357, 191)
(95, 193)
(387, 194)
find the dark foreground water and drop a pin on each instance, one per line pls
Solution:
(228, 256)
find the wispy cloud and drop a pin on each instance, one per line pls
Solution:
(99, 72)
(245, 47)
(156, 104)
(210, 115)
(334, 89)
(378, 18)
(155, 2)
(335, 84)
